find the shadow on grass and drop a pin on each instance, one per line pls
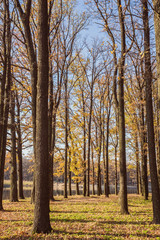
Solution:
(70, 220)
(18, 210)
(125, 222)
(89, 212)
(101, 222)
(81, 235)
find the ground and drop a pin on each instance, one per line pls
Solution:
(81, 217)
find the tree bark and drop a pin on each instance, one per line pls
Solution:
(122, 147)
(89, 141)
(19, 152)
(99, 152)
(50, 132)
(41, 211)
(137, 163)
(156, 5)
(69, 175)
(13, 173)
(149, 111)
(144, 153)
(66, 135)
(7, 80)
(93, 171)
(84, 146)
(77, 187)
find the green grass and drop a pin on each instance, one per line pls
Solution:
(82, 218)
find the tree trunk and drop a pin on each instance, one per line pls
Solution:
(156, 5)
(149, 111)
(19, 152)
(107, 158)
(50, 132)
(144, 153)
(89, 141)
(99, 156)
(41, 211)
(93, 171)
(5, 111)
(66, 135)
(25, 18)
(116, 174)
(116, 149)
(77, 187)
(69, 175)
(84, 147)
(122, 146)
(137, 163)
(13, 174)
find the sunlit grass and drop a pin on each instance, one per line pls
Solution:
(82, 218)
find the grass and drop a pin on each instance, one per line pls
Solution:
(82, 218)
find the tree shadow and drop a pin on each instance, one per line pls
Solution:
(125, 222)
(19, 210)
(92, 211)
(70, 220)
(72, 235)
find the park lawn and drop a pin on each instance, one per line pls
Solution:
(81, 217)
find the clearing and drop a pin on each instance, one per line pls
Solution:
(81, 217)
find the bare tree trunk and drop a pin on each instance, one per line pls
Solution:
(50, 132)
(66, 135)
(13, 174)
(25, 18)
(69, 175)
(116, 150)
(137, 163)
(116, 174)
(144, 154)
(122, 147)
(77, 187)
(150, 124)
(41, 211)
(7, 83)
(107, 157)
(99, 155)
(156, 4)
(93, 171)
(89, 141)
(84, 147)
(19, 152)
(104, 153)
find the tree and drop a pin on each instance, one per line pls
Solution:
(122, 148)
(41, 211)
(25, 18)
(5, 92)
(19, 150)
(13, 175)
(118, 98)
(156, 5)
(149, 110)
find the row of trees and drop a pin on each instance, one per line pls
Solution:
(80, 101)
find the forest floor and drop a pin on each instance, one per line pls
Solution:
(81, 217)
